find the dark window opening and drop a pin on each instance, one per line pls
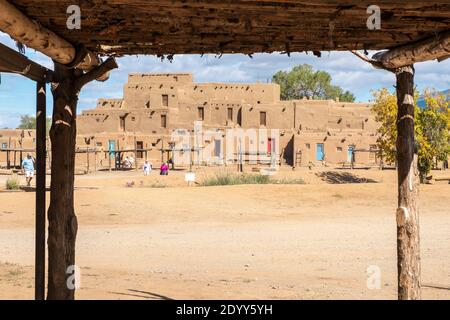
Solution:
(165, 100)
(163, 121)
(140, 147)
(230, 114)
(201, 113)
(122, 123)
(262, 118)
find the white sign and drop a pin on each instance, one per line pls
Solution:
(190, 177)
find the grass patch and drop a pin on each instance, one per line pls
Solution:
(235, 179)
(12, 183)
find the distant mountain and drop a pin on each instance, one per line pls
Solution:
(421, 101)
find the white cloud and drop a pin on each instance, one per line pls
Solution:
(347, 71)
(9, 119)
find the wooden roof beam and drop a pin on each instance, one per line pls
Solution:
(33, 35)
(12, 61)
(437, 47)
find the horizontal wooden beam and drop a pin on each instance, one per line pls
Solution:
(437, 47)
(12, 61)
(33, 35)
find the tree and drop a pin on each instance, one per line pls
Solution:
(434, 140)
(29, 122)
(432, 128)
(304, 82)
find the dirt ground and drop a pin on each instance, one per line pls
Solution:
(161, 239)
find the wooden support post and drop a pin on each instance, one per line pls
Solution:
(87, 159)
(63, 224)
(40, 191)
(408, 239)
(95, 159)
(8, 161)
(109, 161)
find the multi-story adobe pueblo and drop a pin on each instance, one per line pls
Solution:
(299, 132)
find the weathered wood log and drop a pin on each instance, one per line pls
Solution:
(33, 35)
(408, 238)
(437, 47)
(63, 225)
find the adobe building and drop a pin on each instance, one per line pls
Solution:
(154, 106)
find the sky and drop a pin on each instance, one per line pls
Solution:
(17, 94)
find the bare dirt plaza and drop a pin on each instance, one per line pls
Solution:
(161, 239)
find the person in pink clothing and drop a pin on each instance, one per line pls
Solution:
(164, 170)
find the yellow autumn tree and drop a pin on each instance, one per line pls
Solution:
(432, 128)
(385, 112)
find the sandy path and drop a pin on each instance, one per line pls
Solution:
(296, 242)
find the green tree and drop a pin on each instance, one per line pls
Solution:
(29, 122)
(432, 128)
(304, 82)
(434, 123)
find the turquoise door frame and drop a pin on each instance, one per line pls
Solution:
(111, 148)
(320, 152)
(350, 152)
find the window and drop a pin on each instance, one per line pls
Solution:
(147, 105)
(163, 121)
(262, 118)
(339, 149)
(230, 114)
(308, 146)
(373, 153)
(140, 151)
(122, 123)
(4, 145)
(99, 144)
(165, 100)
(201, 113)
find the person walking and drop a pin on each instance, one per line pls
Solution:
(28, 168)
(147, 168)
(164, 169)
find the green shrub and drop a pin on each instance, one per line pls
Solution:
(12, 183)
(235, 179)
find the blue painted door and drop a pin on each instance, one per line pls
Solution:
(111, 148)
(350, 153)
(320, 152)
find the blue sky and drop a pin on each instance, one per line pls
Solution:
(17, 94)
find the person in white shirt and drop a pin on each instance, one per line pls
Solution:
(147, 168)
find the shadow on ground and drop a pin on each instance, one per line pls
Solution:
(142, 294)
(334, 177)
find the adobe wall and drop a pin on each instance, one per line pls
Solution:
(15, 139)
(154, 105)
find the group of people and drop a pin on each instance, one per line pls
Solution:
(128, 163)
(28, 165)
(163, 170)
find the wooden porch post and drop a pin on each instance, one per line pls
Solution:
(40, 191)
(63, 225)
(62, 220)
(408, 238)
